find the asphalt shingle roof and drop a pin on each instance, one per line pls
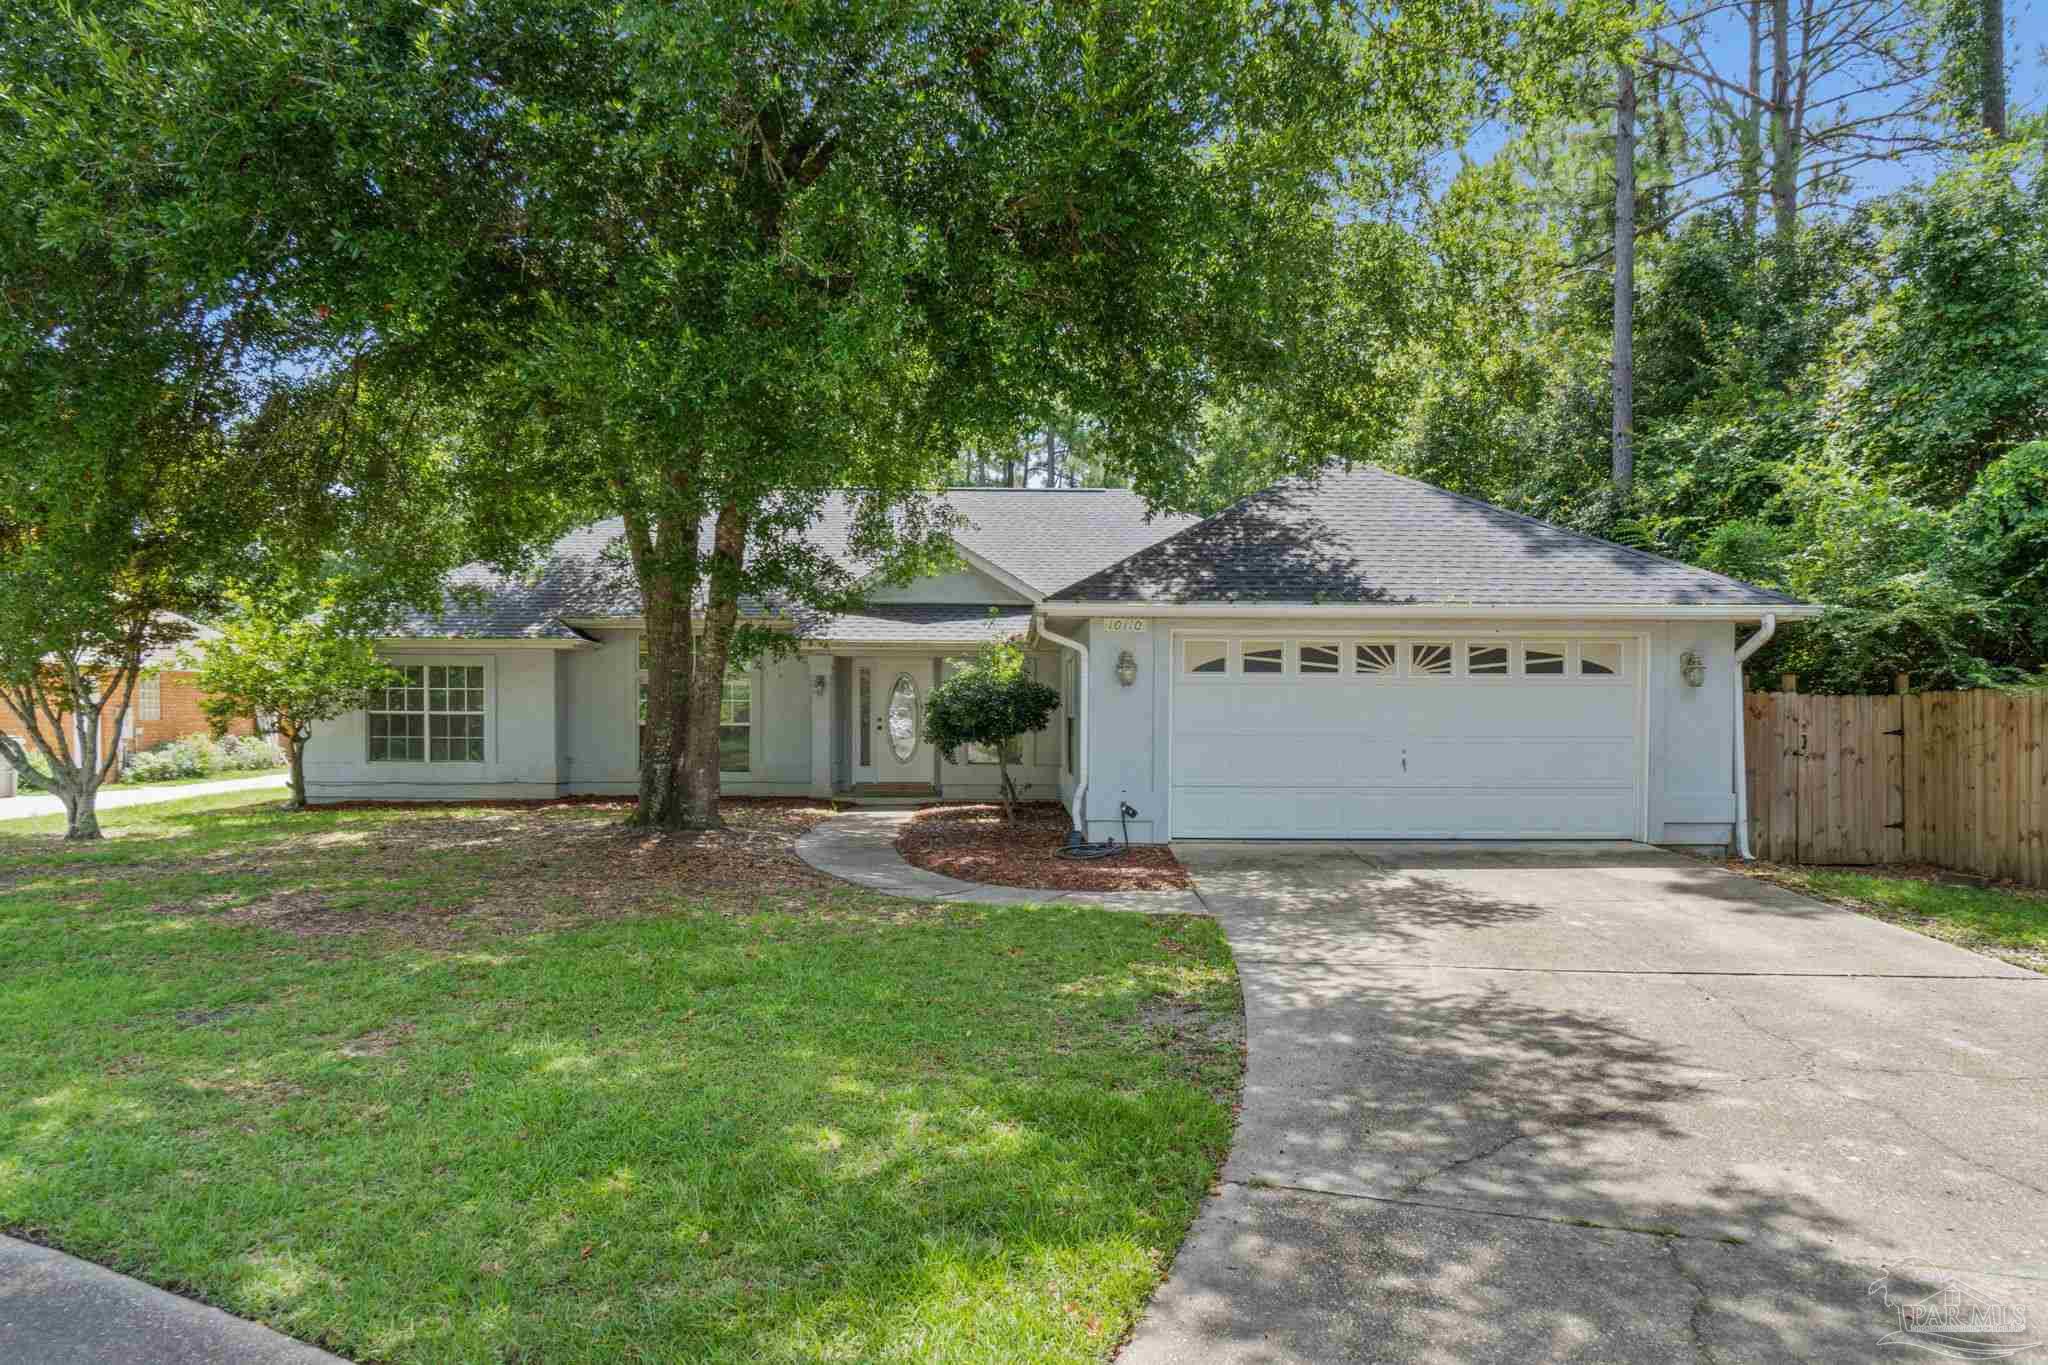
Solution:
(921, 623)
(1367, 536)
(1040, 537)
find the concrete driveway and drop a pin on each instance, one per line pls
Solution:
(1601, 1102)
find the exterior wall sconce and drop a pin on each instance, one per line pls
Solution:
(1692, 668)
(1127, 668)
(818, 681)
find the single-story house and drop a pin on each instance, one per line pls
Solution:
(1357, 655)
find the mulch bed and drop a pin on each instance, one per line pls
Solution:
(974, 844)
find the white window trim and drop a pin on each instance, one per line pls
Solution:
(423, 662)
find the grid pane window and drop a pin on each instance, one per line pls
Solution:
(1321, 657)
(1430, 660)
(736, 724)
(431, 714)
(1264, 656)
(1486, 661)
(1373, 656)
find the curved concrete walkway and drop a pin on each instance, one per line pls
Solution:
(860, 847)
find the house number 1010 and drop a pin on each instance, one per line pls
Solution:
(1117, 625)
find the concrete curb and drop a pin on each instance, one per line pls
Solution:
(860, 847)
(56, 1309)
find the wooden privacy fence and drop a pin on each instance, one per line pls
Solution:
(1959, 779)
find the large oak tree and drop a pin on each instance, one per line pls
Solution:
(706, 266)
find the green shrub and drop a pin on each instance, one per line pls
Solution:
(201, 756)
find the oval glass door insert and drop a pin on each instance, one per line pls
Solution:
(902, 715)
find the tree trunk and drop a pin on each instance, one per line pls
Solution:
(1750, 131)
(664, 566)
(295, 753)
(714, 648)
(1624, 279)
(1784, 136)
(1003, 784)
(1994, 68)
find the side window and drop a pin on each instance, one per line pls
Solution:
(1429, 659)
(1600, 658)
(1205, 656)
(1265, 656)
(1320, 656)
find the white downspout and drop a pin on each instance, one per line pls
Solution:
(1765, 630)
(1074, 812)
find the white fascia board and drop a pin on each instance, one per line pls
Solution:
(640, 622)
(982, 565)
(450, 643)
(1435, 611)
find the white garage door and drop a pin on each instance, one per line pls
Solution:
(1421, 737)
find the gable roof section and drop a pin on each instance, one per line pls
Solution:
(1038, 538)
(1365, 536)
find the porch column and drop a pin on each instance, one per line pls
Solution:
(820, 680)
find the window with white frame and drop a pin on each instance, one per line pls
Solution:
(1263, 656)
(434, 713)
(1430, 659)
(1205, 656)
(1600, 658)
(736, 723)
(149, 698)
(1381, 657)
(1319, 657)
(1543, 658)
(1487, 659)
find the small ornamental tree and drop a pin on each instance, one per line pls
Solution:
(991, 702)
(291, 671)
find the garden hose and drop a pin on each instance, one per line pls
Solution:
(1080, 849)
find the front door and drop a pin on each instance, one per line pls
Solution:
(889, 719)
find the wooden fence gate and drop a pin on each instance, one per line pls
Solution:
(1826, 778)
(1959, 779)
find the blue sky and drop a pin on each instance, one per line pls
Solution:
(2027, 92)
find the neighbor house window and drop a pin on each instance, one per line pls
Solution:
(1320, 656)
(1264, 656)
(149, 699)
(1599, 658)
(736, 723)
(1543, 659)
(1486, 661)
(435, 714)
(1205, 656)
(1375, 656)
(1430, 660)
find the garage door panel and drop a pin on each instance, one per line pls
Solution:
(1405, 757)
(1399, 813)
(1337, 760)
(1467, 709)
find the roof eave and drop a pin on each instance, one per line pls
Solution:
(1643, 611)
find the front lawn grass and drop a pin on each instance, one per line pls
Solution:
(2003, 922)
(519, 1086)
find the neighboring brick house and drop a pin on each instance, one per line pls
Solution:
(166, 706)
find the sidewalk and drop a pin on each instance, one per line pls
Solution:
(31, 804)
(56, 1310)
